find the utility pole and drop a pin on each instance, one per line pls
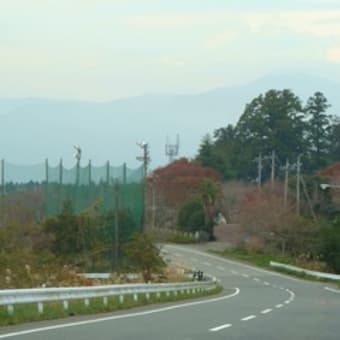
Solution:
(3, 177)
(285, 199)
(273, 168)
(298, 179)
(260, 166)
(116, 230)
(145, 158)
(304, 187)
(77, 157)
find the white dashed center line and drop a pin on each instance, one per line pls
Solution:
(256, 279)
(246, 276)
(279, 306)
(220, 268)
(266, 311)
(207, 263)
(248, 318)
(234, 272)
(219, 328)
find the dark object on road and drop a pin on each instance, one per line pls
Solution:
(198, 275)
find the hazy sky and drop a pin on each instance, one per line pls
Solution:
(104, 49)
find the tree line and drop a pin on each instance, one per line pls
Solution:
(279, 121)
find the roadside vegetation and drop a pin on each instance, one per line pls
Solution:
(249, 175)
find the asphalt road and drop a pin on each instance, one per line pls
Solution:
(256, 304)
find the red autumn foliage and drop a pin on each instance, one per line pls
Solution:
(177, 180)
(332, 172)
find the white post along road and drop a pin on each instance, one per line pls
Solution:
(255, 304)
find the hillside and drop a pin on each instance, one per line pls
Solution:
(109, 130)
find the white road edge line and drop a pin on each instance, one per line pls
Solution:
(219, 328)
(332, 290)
(117, 317)
(266, 311)
(259, 270)
(248, 318)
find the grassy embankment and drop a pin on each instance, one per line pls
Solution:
(54, 310)
(263, 260)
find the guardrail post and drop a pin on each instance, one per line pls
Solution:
(167, 293)
(135, 297)
(158, 295)
(87, 302)
(175, 292)
(105, 301)
(40, 308)
(10, 309)
(121, 299)
(65, 304)
(147, 295)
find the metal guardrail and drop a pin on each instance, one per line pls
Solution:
(319, 275)
(12, 297)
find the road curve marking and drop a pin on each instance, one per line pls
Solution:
(117, 317)
(248, 318)
(259, 270)
(219, 328)
(333, 290)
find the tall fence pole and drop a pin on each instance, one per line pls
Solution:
(108, 172)
(116, 231)
(3, 191)
(90, 172)
(61, 171)
(46, 170)
(78, 172)
(124, 173)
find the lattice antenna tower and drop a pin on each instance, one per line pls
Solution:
(172, 150)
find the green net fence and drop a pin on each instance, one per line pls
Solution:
(83, 186)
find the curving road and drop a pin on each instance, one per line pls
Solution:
(256, 304)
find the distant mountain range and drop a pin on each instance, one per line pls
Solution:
(33, 129)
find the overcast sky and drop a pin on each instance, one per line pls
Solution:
(105, 49)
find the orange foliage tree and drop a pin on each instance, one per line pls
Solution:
(178, 180)
(174, 184)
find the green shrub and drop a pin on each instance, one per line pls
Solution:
(191, 216)
(330, 245)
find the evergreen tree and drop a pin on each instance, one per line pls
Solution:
(318, 129)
